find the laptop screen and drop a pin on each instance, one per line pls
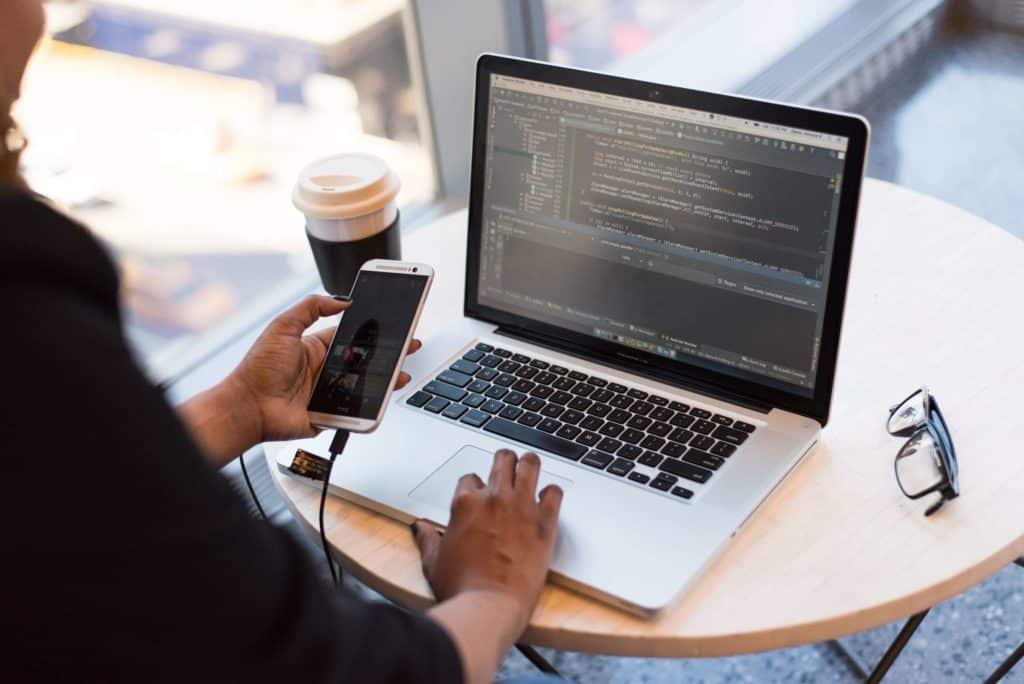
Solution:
(687, 234)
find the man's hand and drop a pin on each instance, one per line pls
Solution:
(265, 397)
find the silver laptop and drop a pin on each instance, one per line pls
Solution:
(655, 280)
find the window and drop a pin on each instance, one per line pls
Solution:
(176, 129)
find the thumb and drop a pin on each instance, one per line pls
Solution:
(428, 539)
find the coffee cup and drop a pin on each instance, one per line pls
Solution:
(351, 215)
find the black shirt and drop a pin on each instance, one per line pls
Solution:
(125, 556)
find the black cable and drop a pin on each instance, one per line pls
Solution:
(337, 446)
(252, 490)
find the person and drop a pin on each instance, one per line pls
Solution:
(128, 557)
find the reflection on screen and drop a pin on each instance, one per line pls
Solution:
(368, 344)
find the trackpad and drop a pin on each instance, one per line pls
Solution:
(439, 487)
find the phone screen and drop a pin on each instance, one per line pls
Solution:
(368, 344)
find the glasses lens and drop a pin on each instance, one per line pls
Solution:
(918, 466)
(909, 414)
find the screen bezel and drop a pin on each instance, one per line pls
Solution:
(679, 371)
(359, 424)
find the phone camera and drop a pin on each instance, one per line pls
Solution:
(415, 268)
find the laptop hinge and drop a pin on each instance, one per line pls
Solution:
(674, 379)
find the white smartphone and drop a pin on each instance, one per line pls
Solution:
(366, 354)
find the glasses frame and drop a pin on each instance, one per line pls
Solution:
(934, 423)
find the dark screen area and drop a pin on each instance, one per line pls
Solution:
(368, 344)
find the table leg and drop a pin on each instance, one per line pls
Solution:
(1020, 561)
(896, 647)
(539, 661)
(1007, 665)
(850, 659)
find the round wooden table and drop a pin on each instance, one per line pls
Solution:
(935, 298)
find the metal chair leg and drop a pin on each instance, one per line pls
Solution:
(896, 647)
(539, 661)
(1006, 665)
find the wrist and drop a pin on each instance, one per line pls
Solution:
(225, 420)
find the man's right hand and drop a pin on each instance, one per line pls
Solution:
(499, 538)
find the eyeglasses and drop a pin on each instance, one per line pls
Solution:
(926, 463)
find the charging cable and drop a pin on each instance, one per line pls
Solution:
(337, 446)
(252, 490)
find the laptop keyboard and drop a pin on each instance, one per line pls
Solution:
(585, 418)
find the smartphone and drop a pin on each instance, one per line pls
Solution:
(366, 354)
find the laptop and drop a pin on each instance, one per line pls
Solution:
(655, 280)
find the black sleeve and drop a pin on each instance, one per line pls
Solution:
(127, 558)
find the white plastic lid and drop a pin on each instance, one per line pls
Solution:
(345, 186)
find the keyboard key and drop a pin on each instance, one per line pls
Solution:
(583, 389)
(549, 425)
(467, 367)
(533, 404)
(576, 375)
(475, 418)
(702, 442)
(639, 422)
(618, 416)
(621, 401)
(559, 370)
(595, 459)
(651, 459)
(616, 387)
(473, 355)
(591, 423)
(521, 358)
(678, 406)
(682, 492)
(660, 429)
(478, 386)
(600, 410)
(474, 400)
(653, 443)
(492, 406)
(484, 347)
(637, 394)
(526, 372)
(721, 420)
(503, 353)
(639, 477)
(631, 452)
(730, 435)
(561, 398)
(454, 411)
(580, 404)
(542, 392)
(529, 419)
(535, 438)
(681, 420)
(687, 470)
(704, 459)
(673, 449)
(505, 380)
(746, 427)
(723, 449)
(496, 392)
(437, 404)
(641, 408)
(661, 484)
(610, 445)
(447, 391)
(487, 374)
(568, 432)
(552, 411)
(700, 413)
(511, 412)
(455, 378)
(524, 386)
(611, 430)
(418, 399)
(657, 401)
(602, 395)
(680, 435)
(542, 365)
(490, 361)
(563, 384)
(571, 417)
(661, 413)
(620, 467)
(509, 366)
(589, 439)
(515, 398)
(704, 427)
(631, 436)
(545, 377)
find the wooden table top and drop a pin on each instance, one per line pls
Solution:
(934, 298)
